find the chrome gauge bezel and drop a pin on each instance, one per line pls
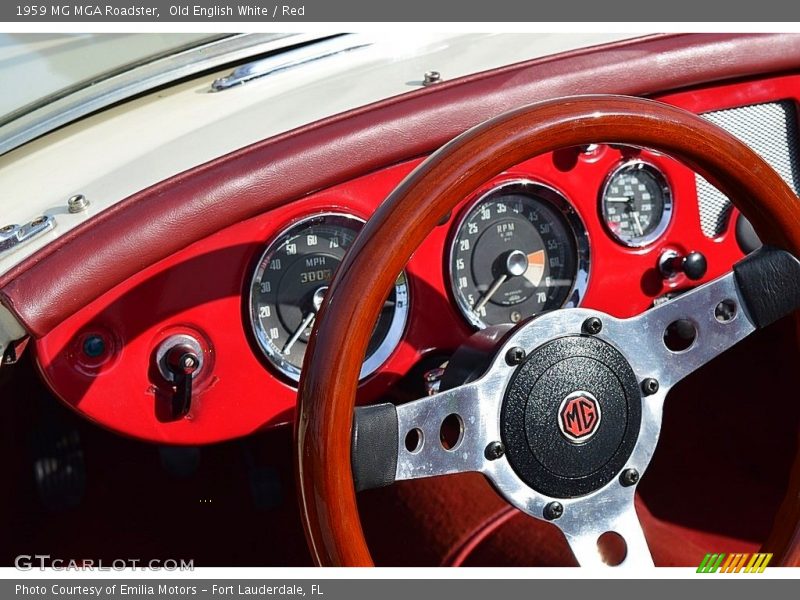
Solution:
(666, 190)
(543, 193)
(272, 354)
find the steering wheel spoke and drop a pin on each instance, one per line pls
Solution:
(616, 539)
(438, 435)
(446, 433)
(683, 334)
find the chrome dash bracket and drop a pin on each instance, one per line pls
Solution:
(14, 236)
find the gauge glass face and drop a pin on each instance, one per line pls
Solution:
(636, 204)
(516, 253)
(290, 282)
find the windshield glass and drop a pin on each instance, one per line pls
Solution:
(51, 80)
(36, 66)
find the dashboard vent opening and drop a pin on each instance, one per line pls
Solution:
(771, 130)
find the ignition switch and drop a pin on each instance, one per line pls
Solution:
(180, 360)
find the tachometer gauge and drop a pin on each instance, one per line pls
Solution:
(289, 285)
(519, 250)
(636, 203)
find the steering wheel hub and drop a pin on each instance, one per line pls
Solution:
(571, 416)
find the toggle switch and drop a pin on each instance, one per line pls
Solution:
(180, 360)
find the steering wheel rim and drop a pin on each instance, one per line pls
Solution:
(323, 426)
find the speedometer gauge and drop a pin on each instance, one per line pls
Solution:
(636, 203)
(289, 285)
(519, 250)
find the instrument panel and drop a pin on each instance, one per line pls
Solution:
(517, 248)
(538, 237)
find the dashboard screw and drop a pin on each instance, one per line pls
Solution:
(515, 356)
(431, 77)
(553, 511)
(494, 451)
(629, 477)
(592, 326)
(78, 203)
(649, 386)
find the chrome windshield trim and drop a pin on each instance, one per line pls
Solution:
(289, 59)
(57, 110)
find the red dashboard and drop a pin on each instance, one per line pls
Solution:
(202, 291)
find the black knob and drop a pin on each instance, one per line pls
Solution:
(694, 265)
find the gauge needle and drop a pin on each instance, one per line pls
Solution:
(490, 292)
(635, 215)
(618, 199)
(516, 263)
(299, 331)
(308, 321)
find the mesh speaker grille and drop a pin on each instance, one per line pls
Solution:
(769, 129)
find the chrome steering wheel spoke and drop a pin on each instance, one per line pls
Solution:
(448, 432)
(616, 539)
(672, 340)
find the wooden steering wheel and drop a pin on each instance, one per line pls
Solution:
(609, 364)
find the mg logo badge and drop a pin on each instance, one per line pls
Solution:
(579, 417)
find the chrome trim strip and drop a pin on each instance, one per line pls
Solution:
(67, 106)
(289, 59)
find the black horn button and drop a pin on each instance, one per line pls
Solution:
(571, 416)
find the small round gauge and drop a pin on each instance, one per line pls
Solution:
(519, 250)
(636, 203)
(289, 285)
